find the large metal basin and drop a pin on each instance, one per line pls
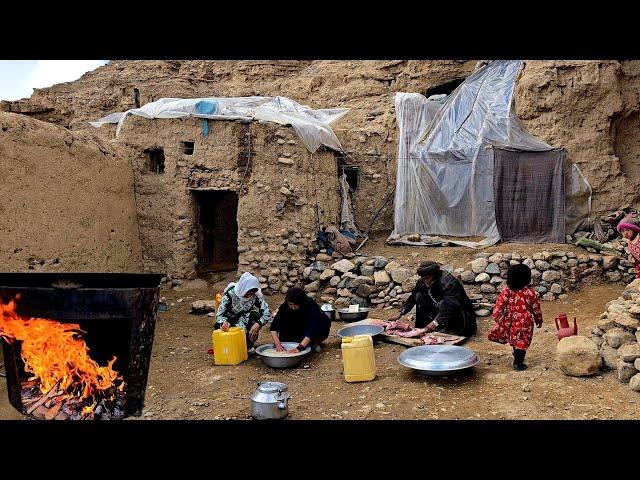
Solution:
(352, 330)
(289, 361)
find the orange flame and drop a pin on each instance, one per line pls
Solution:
(54, 352)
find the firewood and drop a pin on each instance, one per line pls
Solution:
(51, 393)
(53, 411)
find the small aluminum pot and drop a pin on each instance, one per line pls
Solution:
(270, 401)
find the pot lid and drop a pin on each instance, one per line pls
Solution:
(272, 387)
(438, 358)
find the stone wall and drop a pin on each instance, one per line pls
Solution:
(67, 201)
(276, 179)
(618, 336)
(374, 281)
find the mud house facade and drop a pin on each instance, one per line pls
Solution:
(242, 197)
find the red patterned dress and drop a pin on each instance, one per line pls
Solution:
(515, 313)
(634, 250)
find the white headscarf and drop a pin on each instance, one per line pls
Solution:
(247, 282)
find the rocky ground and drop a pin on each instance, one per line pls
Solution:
(184, 384)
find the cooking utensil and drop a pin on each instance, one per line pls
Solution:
(288, 361)
(353, 316)
(329, 311)
(352, 330)
(438, 359)
(269, 401)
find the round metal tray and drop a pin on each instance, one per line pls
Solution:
(438, 359)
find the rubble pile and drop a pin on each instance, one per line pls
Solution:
(617, 335)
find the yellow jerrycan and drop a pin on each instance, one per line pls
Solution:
(230, 347)
(358, 359)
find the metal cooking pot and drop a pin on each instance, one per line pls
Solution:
(269, 401)
(352, 330)
(354, 316)
(329, 311)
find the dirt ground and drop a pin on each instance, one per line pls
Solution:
(184, 383)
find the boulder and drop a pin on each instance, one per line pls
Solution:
(614, 276)
(343, 292)
(626, 371)
(578, 356)
(312, 287)
(637, 364)
(323, 257)
(616, 337)
(634, 383)
(391, 266)
(548, 297)
(629, 353)
(529, 263)
(492, 269)
(626, 321)
(306, 272)
(542, 265)
(609, 262)
(399, 275)
(203, 306)
(609, 356)
(555, 288)
(597, 340)
(367, 270)
(487, 288)
(364, 290)
(606, 324)
(380, 262)
(479, 265)
(535, 274)
(334, 281)
(327, 274)
(468, 276)
(319, 266)
(550, 275)
(496, 258)
(343, 266)
(496, 279)
(482, 278)
(381, 278)
(483, 312)
(410, 283)
(360, 280)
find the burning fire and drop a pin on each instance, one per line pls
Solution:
(56, 356)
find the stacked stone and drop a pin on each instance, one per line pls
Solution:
(277, 259)
(618, 336)
(358, 280)
(552, 273)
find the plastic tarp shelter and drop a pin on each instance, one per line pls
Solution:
(468, 168)
(312, 126)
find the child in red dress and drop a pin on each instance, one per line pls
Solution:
(629, 227)
(516, 310)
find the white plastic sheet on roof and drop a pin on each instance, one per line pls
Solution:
(312, 126)
(445, 159)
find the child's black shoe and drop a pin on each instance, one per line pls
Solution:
(519, 366)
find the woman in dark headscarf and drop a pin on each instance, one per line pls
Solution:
(299, 319)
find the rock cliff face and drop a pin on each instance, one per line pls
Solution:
(589, 107)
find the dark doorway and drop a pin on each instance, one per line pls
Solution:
(217, 231)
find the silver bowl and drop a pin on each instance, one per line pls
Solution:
(355, 316)
(289, 361)
(438, 359)
(353, 330)
(329, 311)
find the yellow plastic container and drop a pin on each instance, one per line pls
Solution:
(358, 359)
(230, 347)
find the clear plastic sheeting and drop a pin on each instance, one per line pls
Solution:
(312, 126)
(347, 220)
(445, 181)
